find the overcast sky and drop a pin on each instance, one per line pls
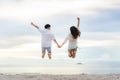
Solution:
(100, 26)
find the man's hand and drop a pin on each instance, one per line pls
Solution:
(78, 18)
(32, 23)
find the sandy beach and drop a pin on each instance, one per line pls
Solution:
(59, 77)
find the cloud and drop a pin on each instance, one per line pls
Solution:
(30, 9)
(16, 42)
(100, 36)
(99, 26)
(92, 46)
(87, 39)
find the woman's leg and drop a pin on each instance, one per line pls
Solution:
(69, 52)
(74, 53)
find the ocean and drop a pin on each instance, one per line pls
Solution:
(59, 66)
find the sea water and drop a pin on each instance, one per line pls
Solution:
(59, 66)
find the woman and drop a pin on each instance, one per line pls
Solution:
(72, 38)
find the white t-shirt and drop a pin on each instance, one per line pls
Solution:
(47, 37)
(72, 42)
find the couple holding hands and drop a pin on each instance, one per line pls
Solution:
(47, 37)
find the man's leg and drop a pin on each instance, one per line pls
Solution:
(43, 52)
(49, 55)
(49, 52)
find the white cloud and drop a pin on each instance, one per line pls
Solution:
(28, 9)
(92, 39)
(98, 43)
(87, 39)
(30, 46)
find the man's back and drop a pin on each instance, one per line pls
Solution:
(47, 37)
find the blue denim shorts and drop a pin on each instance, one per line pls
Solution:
(46, 48)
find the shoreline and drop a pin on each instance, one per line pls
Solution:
(36, 76)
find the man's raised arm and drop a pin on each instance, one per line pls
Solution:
(34, 25)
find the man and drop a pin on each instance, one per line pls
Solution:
(47, 38)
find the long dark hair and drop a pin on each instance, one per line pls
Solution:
(75, 32)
